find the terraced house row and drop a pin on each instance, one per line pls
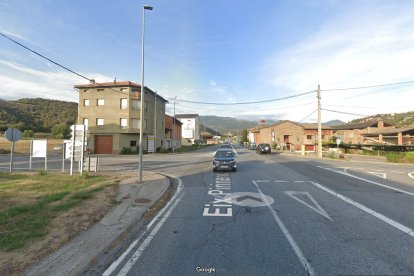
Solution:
(288, 135)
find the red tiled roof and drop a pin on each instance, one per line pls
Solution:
(107, 84)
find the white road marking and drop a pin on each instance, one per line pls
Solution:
(115, 264)
(282, 181)
(379, 174)
(411, 174)
(397, 172)
(299, 181)
(262, 181)
(369, 181)
(318, 208)
(385, 219)
(308, 267)
(131, 262)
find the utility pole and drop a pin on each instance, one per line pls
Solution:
(155, 123)
(319, 123)
(173, 132)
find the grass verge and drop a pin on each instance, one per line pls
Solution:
(35, 207)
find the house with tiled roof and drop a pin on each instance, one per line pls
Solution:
(111, 111)
(354, 133)
(292, 136)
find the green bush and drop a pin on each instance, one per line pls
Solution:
(164, 150)
(126, 150)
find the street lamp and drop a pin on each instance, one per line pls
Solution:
(173, 133)
(141, 123)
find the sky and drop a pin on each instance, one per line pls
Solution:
(222, 54)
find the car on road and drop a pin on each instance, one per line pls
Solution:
(224, 159)
(263, 148)
(252, 146)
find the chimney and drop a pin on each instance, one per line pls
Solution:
(92, 81)
(115, 81)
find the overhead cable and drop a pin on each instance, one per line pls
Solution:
(368, 86)
(245, 103)
(308, 115)
(58, 64)
(347, 113)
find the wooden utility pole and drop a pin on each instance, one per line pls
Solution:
(319, 123)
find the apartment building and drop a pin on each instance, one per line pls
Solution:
(112, 113)
(172, 132)
(190, 128)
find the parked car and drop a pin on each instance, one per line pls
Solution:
(263, 148)
(224, 159)
(252, 146)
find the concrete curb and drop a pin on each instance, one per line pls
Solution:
(135, 200)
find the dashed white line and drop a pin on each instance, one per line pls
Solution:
(411, 174)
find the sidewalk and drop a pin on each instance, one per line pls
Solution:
(135, 200)
(347, 157)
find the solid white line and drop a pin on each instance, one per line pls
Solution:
(115, 264)
(369, 181)
(385, 219)
(308, 267)
(262, 181)
(135, 257)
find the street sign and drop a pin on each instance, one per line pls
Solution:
(13, 135)
(338, 141)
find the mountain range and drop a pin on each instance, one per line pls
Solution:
(40, 115)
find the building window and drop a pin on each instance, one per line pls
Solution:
(135, 123)
(145, 123)
(124, 89)
(133, 143)
(309, 137)
(86, 122)
(85, 90)
(124, 123)
(100, 102)
(101, 90)
(124, 103)
(146, 106)
(85, 102)
(135, 104)
(99, 122)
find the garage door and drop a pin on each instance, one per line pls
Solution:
(103, 144)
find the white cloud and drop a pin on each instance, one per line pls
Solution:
(361, 48)
(22, 81)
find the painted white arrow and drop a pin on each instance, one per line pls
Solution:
(379, 174)
(317, 207)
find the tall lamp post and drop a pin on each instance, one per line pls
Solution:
(141, 123)
(173, 133)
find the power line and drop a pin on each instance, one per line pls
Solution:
(308, 115)
(245, 103)
(347, 113)
(58, 64)
(368, 86)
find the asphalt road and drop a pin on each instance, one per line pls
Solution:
(277, 215)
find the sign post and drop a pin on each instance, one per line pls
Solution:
(12, 135)
(77, 146)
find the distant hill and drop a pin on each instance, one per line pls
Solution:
(225, 125)
(39, 115)
(334, 123)
(398, 119)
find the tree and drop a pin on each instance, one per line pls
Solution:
(28, 133)
(61, 131)
(243, 137)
